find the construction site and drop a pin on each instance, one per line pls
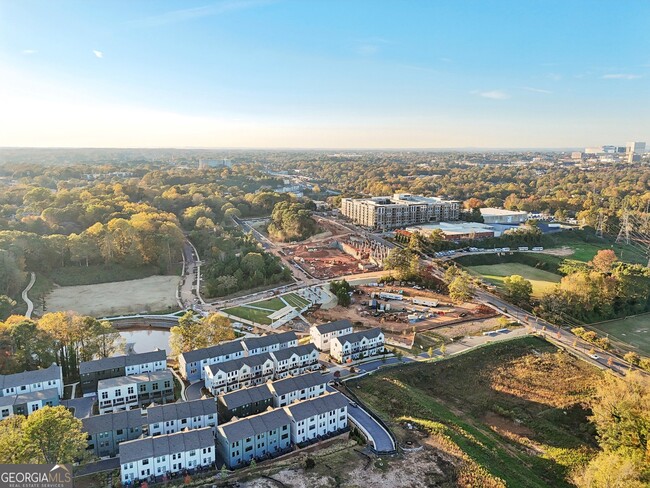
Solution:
(340, 256)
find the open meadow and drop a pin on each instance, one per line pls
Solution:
(542, 281)
(154, 293)
(516, 408)
(634, 331)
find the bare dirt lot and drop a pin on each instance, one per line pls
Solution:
(322, 260)
(148, 294)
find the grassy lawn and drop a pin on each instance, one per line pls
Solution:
(585, 251)
(90, 275)
(515, 408)
(295, 301)
(271, 304)
(542, 281)
(252, 314)
(632, 330)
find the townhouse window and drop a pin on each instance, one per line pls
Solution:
(120, 431)
(145, 462)
(192, 453)
(156, 426)
(130, 390)
(104, 395)
(168, 384)
(155, 387)
(248, 449)
(118, 392)
(284, 436)
(143, 388)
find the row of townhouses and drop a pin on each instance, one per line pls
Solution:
(254, 370)
(358, 345)
(91, 372)
(274, 432)
(135, 391)
(322, 335)
(24, 393)
(192, 364)
(106, 432)
(257, 399)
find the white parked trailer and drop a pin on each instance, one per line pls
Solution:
(426, 302)
(390, 296)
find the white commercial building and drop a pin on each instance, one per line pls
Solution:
(322, 335)
(400, 210)
(502, 216)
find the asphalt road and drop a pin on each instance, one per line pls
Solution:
(193, 392)
(83, 407)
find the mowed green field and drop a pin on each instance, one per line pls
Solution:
(542, 281)
(632, 330)
(252, 314)
(259, 311)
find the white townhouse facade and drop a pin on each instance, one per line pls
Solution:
(357, 345)
(318, 418)
(239, 373)
(296, 388)
(24, 393)
(175, 417)
(295, 360)
(192, 364)
(127, 392)
(322, 335)
(142, 459)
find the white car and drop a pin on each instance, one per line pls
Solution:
(594, 356)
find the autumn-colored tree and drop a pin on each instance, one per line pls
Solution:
(604, 260)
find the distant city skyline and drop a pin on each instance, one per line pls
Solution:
(324, 74)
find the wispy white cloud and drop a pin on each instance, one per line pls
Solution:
(98, 54)
(183, 15)
(536, 90)
(621, 76)
(28, 52)
(492, 94)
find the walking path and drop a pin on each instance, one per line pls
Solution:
(30, 305)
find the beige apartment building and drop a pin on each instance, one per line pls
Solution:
(402, 209)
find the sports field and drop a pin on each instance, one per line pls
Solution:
(542, 281)
(632, 330)
(259, 311)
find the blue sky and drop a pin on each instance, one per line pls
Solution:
(257, 73)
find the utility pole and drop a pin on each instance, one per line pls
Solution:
(624, 231)
(600, 226)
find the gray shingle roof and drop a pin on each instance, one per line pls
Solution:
(257, 424)
(222, 349)
(333, 326)
(316, 406)
(31, 396)
(245, 396)
(269, 340)
(164, 445)
(113, 421)
(182, 410)
(134, 379)
(303, 350)
(296, 383)
(236, 364)
(29, 377)
(122, 361)
(357, 336)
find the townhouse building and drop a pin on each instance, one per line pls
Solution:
(269, 343)
(175, 417)
(192, 364)
(295, 360)
(90, 372)
(136, 391)
(322, 335)
(318, 418)
(24, 393)
(261, 436)
(106, 432)
(296, 388)
(154, 457)
(244, 402)
(357, 345)
(239, 373)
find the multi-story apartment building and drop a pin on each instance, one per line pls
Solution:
(24, 393)
(357, 345)
(244, 402)
(106, 432)
(154, 457)
(269, 343)
(239, 373)
(174, 417)
(263, 435)
(318, 418)
(295, 360)
(296, 388)
(127, 392)
(90, 372)
(401, 209)
(192, 364)
(322, 335)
